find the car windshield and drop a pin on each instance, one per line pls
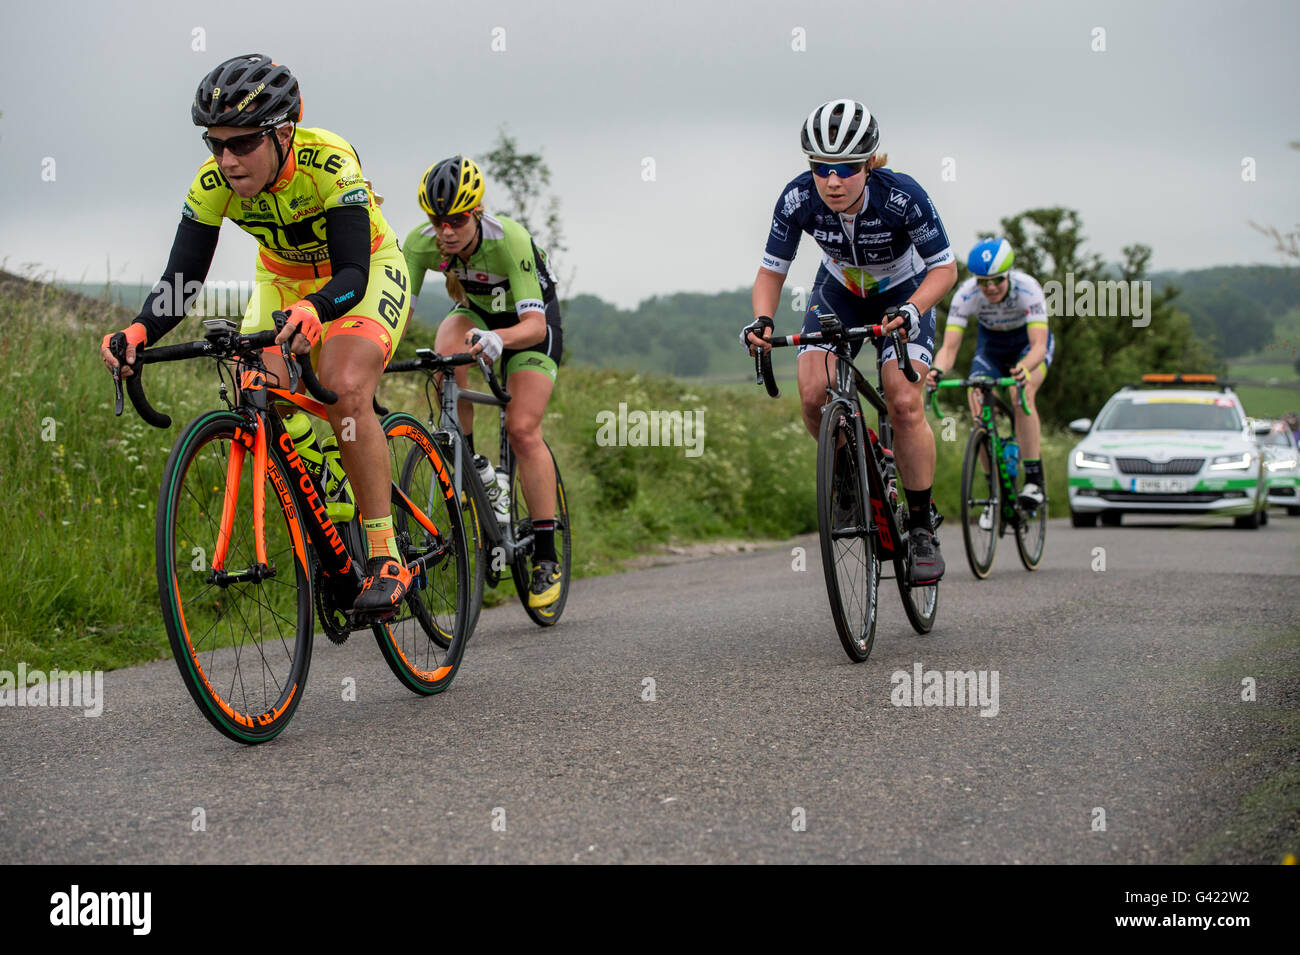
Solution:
(1280, 439)
(1170, 414)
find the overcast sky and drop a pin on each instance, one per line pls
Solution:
(1146, 138)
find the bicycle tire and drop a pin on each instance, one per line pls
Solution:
(424, 643)
(920, 601)
(214, 625)
(848, 559)
(547, 616)
(1031, 535)
(979, 555)
(475, 551)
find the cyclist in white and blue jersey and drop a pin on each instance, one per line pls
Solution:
(1014, 340)
(885, 258)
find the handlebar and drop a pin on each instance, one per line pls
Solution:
(428, 360)
(833, 336)
(975, 381)
(219, 343)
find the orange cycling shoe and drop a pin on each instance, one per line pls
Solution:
(387, 582)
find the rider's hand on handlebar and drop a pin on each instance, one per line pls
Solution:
(1019, 373)
(936, 375)
(757, 333)
(907, 317)
(487, 342)
(136, 335)
(302, 324)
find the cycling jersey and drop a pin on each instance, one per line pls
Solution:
(322, 172)
(897, 236)
(504, 277)
(507, 272)
(1024, 305)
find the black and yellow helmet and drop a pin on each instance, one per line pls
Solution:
(451, 186)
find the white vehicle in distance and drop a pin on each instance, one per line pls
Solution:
(1282, 467)
(1177, 444)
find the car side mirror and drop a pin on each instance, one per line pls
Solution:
(1081, 425)
(1263, 428)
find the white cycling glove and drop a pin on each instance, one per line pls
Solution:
(912, 319)
(491, 343)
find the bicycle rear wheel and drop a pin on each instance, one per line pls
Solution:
(1031, 535)
(849, 560)
(423, 644)
(920, 601)
(981, 501)
(476, 553)
(241, 634)
(523, 523)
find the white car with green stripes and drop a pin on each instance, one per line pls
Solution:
(1177, 444)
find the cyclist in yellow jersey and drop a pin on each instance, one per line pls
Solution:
(327, 258)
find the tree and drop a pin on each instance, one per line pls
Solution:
(525, 178)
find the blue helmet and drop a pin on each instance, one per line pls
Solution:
(990, 257)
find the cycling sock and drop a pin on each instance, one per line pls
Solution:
(544, 541)
(1034, 472)
(380, 537)
(918, 509)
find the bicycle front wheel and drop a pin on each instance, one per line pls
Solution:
(981, 503)
(549, 615)
(424, 643)
(849, 559)
(240, 630)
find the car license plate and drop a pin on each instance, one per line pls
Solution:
(1159, 485)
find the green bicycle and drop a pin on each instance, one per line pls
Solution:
(990, 482)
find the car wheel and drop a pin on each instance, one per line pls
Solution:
(1078, 519)
(1293, 511)
(1248, 523)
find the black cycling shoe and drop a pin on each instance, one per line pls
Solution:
(387, 582)
(924, 562)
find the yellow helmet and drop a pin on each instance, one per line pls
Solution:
(451, 186)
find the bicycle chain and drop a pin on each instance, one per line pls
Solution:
(338, 635)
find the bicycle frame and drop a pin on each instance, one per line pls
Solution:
(991, 401)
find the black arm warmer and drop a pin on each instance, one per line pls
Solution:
(347, 231)
(182, 280)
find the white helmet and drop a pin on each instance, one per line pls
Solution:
(840, 129)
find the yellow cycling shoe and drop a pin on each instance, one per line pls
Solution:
(545, 587)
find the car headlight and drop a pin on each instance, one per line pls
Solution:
(1231, 462)
(1281, 465)
(1082, 459)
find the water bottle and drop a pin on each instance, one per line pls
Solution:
(299, 427)
(340, 504)
(497, 486)
(501, 503)
(1011, 457)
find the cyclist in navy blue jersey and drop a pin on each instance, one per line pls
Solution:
(885, 258)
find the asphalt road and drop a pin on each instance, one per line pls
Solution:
(1119, 690)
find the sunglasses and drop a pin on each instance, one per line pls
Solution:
(991, 281)
(455, 220)
(823, 170)
(239, 145)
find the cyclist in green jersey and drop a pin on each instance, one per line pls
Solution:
(504, 292)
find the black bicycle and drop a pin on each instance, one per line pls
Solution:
(861, 516)
(246, 548)
(498, 540)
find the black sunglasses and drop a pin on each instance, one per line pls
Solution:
(239, 145)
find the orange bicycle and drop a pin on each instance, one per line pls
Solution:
(246, 554)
